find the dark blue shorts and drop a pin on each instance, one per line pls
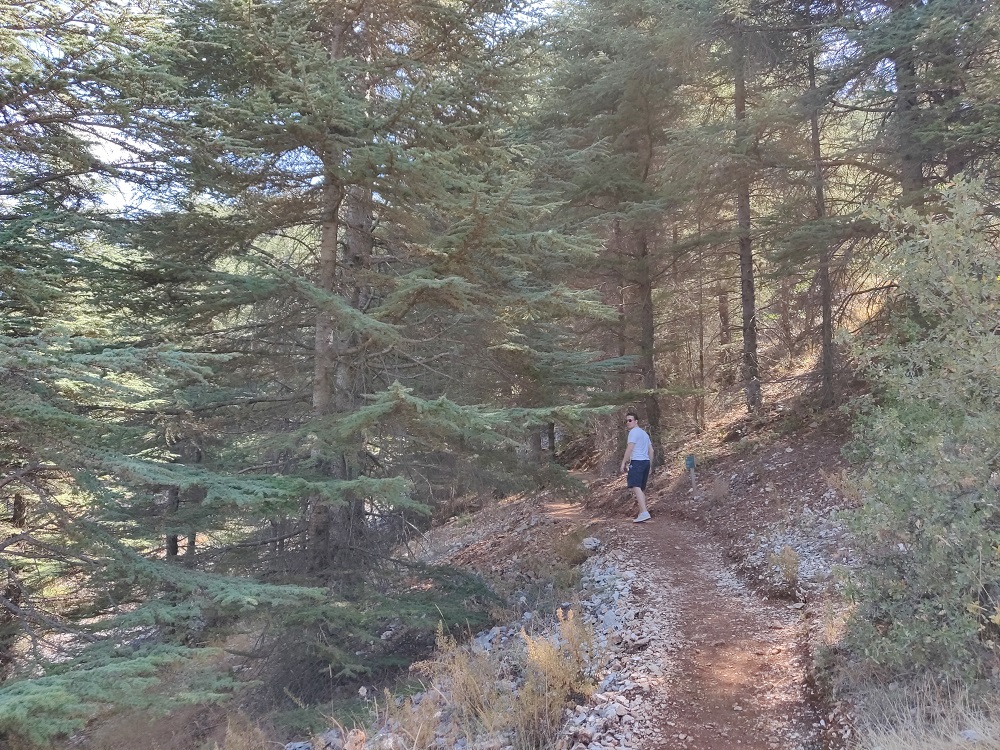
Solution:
(638, 473)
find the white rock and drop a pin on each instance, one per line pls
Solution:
(972, 735)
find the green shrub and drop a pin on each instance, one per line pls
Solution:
(929, 599)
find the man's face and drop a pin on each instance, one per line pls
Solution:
(629, 423)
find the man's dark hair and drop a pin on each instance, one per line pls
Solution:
(633, 415)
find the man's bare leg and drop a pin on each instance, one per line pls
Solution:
(640, 497)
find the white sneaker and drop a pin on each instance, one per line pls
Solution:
(641, 517)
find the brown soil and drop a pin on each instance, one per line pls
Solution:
(741, 675)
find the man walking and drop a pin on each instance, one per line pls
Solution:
(639, 460)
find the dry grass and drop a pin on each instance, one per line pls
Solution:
(718, 489)
(833, 622)
(555, 672)
(472, 681)
(474, 695)
(415, 723)
(847, 488)
(243, 734)
(569, 548)
(786, 563)
(928, 718)
(181, 729)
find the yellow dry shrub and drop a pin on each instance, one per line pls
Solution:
(469, 687)
(555, 672)
(416, 723)
(243, 734)
(928, 717)
(786, 562)
(471, 679)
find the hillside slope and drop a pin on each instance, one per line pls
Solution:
(719, 603)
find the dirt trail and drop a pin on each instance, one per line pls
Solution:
(737, 677)
(740, 680)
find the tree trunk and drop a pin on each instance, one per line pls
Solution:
(647, 341)
(619, 249)
(725, 325)
(359, 244)
(911, 173)
(748, 293)
(189, 550)
(325, 354)
(826, 391)
(911, 166)
(12, 594)
(338, 359)
(173, 505)
(325, 363)
(699, 399)
(537, 454)
(19, 512)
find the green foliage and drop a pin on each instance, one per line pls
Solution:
(930, 524)
(374, 632)
(42, 709)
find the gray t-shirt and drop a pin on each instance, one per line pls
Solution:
(638, 436)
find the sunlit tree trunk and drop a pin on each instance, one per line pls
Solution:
(748, 293)
(827, 395)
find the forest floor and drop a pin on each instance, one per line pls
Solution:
(743, 570)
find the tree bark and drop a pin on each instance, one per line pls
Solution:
(173, 505)
(339, 358)
(911, 173)
(336, 367)
(748, 293)
(325, 354)
(13, 595)
(618, 248)
(325, 365)
(907, 111)
(537, 454)
(19, 514)
(189, 550)
(827, 395)
(699, 399)
(647, 341)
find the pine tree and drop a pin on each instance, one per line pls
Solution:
(297, 165)
(389, 181)
(921, 71)
(614, 106)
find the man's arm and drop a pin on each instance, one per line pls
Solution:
(627, 457)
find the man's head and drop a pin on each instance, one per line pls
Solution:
(631, 419)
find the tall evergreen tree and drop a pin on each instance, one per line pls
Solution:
(921, 70)
(368, 148)
(251, 364)
(614, 106)
(71, 84)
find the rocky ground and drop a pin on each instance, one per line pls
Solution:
(709, 616)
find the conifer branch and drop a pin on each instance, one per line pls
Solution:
(25, 472)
